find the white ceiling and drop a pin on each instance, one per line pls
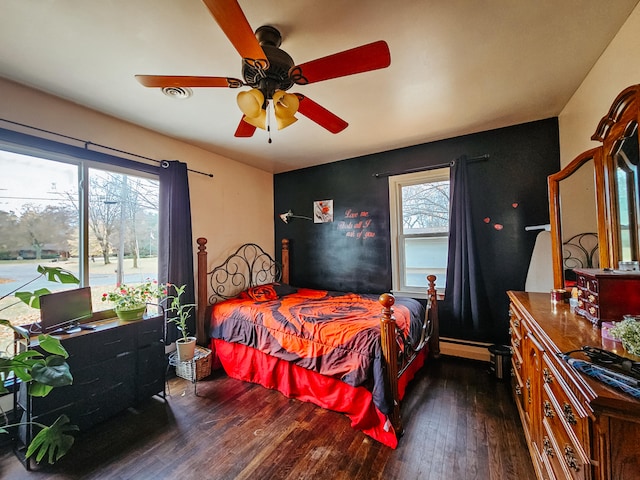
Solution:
(457, 66)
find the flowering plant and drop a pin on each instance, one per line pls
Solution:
(628, 332)
(127, 297)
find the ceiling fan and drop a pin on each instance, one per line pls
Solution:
(270, 72)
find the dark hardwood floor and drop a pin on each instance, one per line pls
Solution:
(460, 424)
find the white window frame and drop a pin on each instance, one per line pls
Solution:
(398, 263)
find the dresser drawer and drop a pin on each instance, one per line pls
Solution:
(565, 407)
(150, 331)
(563, 458)
(113, 342)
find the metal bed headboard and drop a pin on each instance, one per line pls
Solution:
(248, 267)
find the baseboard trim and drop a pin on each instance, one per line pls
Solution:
(464, 348)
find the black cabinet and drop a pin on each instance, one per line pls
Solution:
(114, 367)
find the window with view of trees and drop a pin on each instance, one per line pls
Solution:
(106, 235)
(419, 229)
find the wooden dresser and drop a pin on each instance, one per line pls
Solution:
(575, 426)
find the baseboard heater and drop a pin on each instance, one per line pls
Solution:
(464, 348)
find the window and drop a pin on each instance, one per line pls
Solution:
(105, 234)
(419, 229)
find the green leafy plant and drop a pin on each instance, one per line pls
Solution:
(52, 274)
(126, 297)
(41, 372)
(628, 332)
(177, 312)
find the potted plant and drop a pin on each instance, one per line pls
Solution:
(130, 301)
(178, 313)
(628, 332)
(41, 372)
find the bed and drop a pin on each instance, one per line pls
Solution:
(349, 353)
(579, 251)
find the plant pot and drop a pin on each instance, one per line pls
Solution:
(186, 348)
(131, 314)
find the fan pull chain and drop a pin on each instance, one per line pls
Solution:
(269, 122)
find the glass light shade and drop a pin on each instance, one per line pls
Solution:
(284, 122)
(285, 105)
(260, 121)
(250, 102)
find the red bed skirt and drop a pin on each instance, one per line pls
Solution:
(250, 365)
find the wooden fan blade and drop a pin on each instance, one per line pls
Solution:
(234, 24)
(320, 115)
(372, 56)
(186, 81)
(244, 129)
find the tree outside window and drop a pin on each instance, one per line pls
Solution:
(41, 222)
(420, 229)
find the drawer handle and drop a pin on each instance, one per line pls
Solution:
(111, 343)
(89, 382)
(518, 364)
(518, 390)
(513, 372)
(90, 412)
(548, 377)
(528, 384)
(516, 342)
(546, 446)
(548, 410)
(516, 323)
(570, 458)
(568, 414)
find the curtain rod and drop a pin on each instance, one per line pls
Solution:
(87, 144)
(431, 167)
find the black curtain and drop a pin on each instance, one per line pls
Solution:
(466, 301)
(175, 244)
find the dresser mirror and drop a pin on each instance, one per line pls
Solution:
(574, 217)
(626, 193)
(598, 192)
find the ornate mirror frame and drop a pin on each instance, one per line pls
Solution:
(619, 125)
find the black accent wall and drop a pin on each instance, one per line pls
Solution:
(353, 252)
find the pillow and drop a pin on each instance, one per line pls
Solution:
(283, 289)
(270, 291)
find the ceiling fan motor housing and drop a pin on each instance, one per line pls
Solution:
(276, 77)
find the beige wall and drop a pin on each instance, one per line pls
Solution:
(233, 207)
(617, 68)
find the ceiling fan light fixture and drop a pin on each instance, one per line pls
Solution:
(286, 103)
(251, 102)
(284, 122)
(260, 121)
(285, 106)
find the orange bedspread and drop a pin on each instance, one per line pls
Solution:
(332, 333)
